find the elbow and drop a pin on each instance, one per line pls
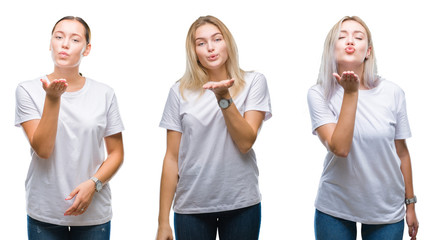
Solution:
(244, 148)
(43, 154)
(343, 153)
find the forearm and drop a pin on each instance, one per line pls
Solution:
(407, 176)
(43, 139)
(169, 180)
(342, 138)
(109, 167)
(114, 160)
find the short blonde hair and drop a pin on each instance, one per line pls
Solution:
(329, 64)
(196, 75)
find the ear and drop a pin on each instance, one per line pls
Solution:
(368, 52)
(87, 50)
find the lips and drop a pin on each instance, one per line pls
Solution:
(350, 50)
(64, 54)
(212, 57)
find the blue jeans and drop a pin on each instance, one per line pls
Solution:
(37, 230)
(332, 228)
(240, 224)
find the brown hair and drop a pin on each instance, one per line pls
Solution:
(87, 28)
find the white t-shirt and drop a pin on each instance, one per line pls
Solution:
(368, 185)
(213, 175)
(85, 118)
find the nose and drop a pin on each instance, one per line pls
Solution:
(210, 46)
(65, 43)
(350, 40)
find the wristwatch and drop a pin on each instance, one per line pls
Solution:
(225, 103)
(411, 200)
(98, 184)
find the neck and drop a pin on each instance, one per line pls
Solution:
(358, 70)
(71, 75)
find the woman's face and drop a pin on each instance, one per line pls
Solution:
(351, 46)
(68, 44)
(210, 47)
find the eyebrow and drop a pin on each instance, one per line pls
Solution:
(356, 31)
(218, 33)
(76, 34)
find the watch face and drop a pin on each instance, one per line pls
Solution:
(98, 186)
(223, 103)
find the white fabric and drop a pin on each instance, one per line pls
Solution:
(368, 185)
(85, 118)
(213, 175)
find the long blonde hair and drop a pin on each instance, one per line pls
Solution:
(196, 75)
(329, 64)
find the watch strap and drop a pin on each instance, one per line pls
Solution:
(411, 200)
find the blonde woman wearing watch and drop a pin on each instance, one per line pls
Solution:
(361, 119)
(213, 116)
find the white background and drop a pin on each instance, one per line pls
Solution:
(138, 49)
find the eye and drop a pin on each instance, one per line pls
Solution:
(200, 44)
(58, 37)
(218, 39)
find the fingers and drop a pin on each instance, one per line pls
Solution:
(221, 84)
(78, 207)
(55, 88)
(338, 78)
(413, 231)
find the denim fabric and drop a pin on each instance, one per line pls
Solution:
(240, 224)
(332, 228)
(37, 230)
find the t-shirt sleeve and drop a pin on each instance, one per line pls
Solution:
(114, 120)
(402, 129)
(25, 107)
(320, 113)
(258, 98)
(171, 118)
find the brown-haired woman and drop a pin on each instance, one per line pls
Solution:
(69, 120)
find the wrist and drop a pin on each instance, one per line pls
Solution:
(53, 99)
(410, 207)
(225, 95)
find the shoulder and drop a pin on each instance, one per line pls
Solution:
(315, 91)
(99, 85)
(390, 87)
(252, 76)
(97, 88)
(30, 86)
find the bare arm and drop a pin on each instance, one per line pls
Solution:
(339, 137)
(169, 180)
(85, 191)
(406, 168)
(42, 132)
(243, 129)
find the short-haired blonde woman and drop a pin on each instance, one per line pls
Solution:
(212, 116)
(69, 121)
(361, 119)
